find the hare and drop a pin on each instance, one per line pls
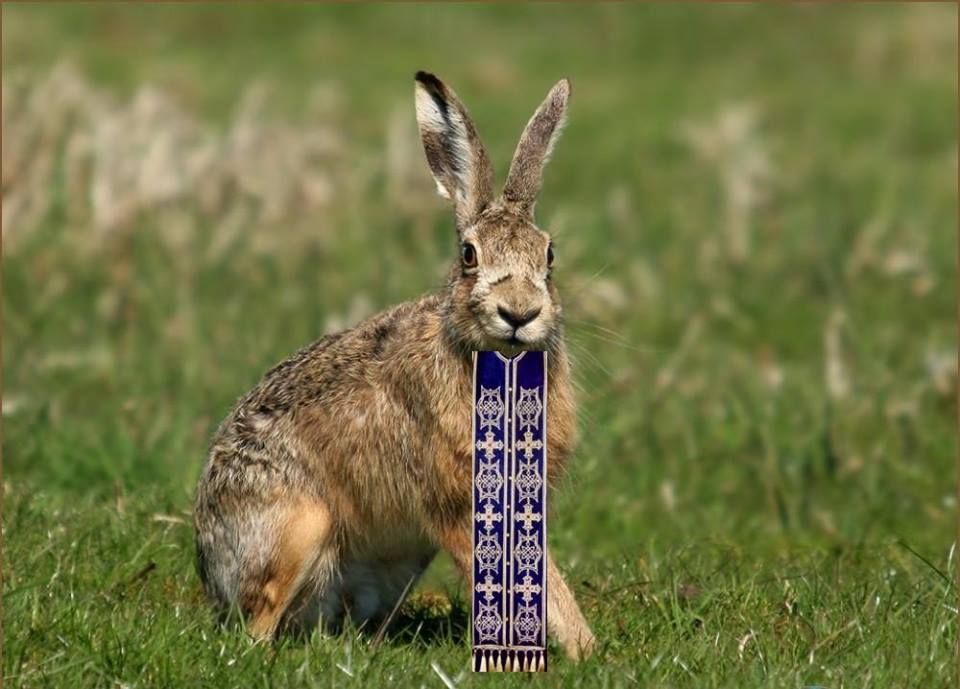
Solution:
(333, 483)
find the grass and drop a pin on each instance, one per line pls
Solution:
(754, 211)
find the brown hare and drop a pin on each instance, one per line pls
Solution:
(333, 483)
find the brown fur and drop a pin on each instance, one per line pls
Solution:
(332, 484)
(304, 534)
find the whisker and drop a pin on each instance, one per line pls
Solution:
(581, 349)
(642, 349)
(621, 336)
(582, 286)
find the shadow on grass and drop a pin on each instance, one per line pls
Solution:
(431, 619)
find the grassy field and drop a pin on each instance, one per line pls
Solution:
(755, 221)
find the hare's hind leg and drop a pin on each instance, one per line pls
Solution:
(302, 554)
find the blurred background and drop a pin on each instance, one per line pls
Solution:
(754, 212)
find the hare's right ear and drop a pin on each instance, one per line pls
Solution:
(456, 157)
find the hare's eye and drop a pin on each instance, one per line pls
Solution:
(550, 254)
(469, 255)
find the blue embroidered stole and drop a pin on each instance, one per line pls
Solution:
(510, 500)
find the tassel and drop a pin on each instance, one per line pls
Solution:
(509, 660)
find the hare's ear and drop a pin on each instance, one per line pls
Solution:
(456, 157)
(533, 151)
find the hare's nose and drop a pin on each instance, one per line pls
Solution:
(517, 320)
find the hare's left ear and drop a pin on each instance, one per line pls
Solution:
(536, 145)
(456, 157)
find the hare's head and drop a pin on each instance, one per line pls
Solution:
(502, 294)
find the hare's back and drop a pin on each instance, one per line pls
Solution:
(344, 363)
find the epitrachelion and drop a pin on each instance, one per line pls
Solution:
(510, 512)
